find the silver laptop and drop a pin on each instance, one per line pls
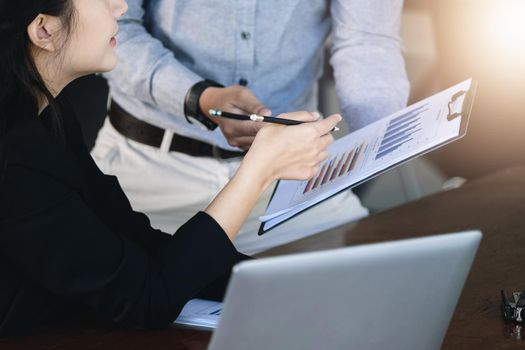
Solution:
(395, 295)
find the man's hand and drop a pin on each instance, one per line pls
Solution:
(234, 99)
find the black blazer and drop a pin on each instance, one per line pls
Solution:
(69, 237)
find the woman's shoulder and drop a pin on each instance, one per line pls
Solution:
(54, 125)
(30, 145)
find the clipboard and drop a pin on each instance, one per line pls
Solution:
(452, 114)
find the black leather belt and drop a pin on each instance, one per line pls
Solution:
(140, 131)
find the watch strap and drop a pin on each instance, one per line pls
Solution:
(191, 106)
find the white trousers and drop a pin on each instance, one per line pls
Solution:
(171, 187)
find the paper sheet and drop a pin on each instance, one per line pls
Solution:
(200, 313)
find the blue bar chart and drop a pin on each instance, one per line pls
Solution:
(400, 131)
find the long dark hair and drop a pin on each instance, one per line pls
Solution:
(21, 85)
(20, 82)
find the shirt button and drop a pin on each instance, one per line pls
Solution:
(243, 82)
(245, 35)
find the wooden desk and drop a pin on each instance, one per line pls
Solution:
(494, 204)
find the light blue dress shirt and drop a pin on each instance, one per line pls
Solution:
(277, 46)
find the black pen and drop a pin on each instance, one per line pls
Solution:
(258, 118)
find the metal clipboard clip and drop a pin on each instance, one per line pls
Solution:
(452, 102)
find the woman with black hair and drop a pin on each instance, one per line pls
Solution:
(68, 236)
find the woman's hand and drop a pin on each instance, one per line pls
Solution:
(291, 152)
(278, 152)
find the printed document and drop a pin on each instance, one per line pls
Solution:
(200, 313)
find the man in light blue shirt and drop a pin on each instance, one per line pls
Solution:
(178, 58)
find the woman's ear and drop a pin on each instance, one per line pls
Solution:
(43, 32)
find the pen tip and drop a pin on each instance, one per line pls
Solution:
(213, 112)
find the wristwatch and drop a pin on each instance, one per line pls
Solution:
(192, 109)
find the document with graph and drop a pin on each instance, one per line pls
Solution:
(376, 148)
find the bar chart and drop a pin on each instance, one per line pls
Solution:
(336, 167)
(400, 130)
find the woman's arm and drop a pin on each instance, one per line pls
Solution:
(120, 266)
(278, 152)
